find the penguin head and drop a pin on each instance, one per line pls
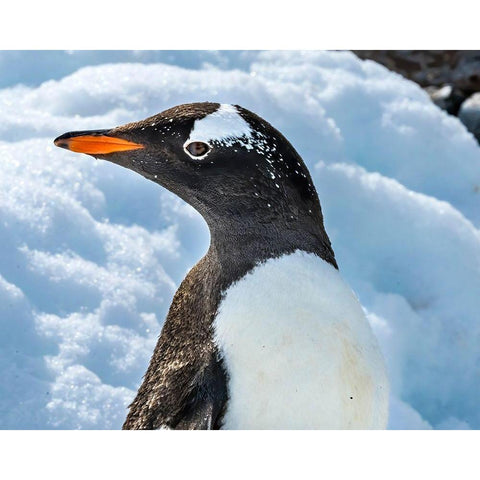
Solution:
(224, 160)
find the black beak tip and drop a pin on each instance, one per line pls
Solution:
(61, 141)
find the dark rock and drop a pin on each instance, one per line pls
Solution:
(448, 98)
(459, 68)
(466, 74)
(470, 114)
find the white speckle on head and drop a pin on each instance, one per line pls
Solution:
(224, 126)
(299, 350)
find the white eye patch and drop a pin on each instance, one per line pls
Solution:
(224, 126)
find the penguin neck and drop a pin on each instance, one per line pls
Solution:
(239, 245)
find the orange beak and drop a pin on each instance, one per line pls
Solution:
(94, 142)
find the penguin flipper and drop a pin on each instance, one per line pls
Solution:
(204, 407)
(197, 402)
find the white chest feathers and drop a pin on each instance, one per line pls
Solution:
(299, 351)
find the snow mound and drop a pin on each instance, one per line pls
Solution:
(92, 253)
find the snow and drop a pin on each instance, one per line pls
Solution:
(91, 253)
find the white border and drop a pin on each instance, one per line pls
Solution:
(211, 455)
(210, 24)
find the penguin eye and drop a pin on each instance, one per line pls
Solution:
(197, 149)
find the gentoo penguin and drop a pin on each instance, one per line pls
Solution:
(262, 333)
